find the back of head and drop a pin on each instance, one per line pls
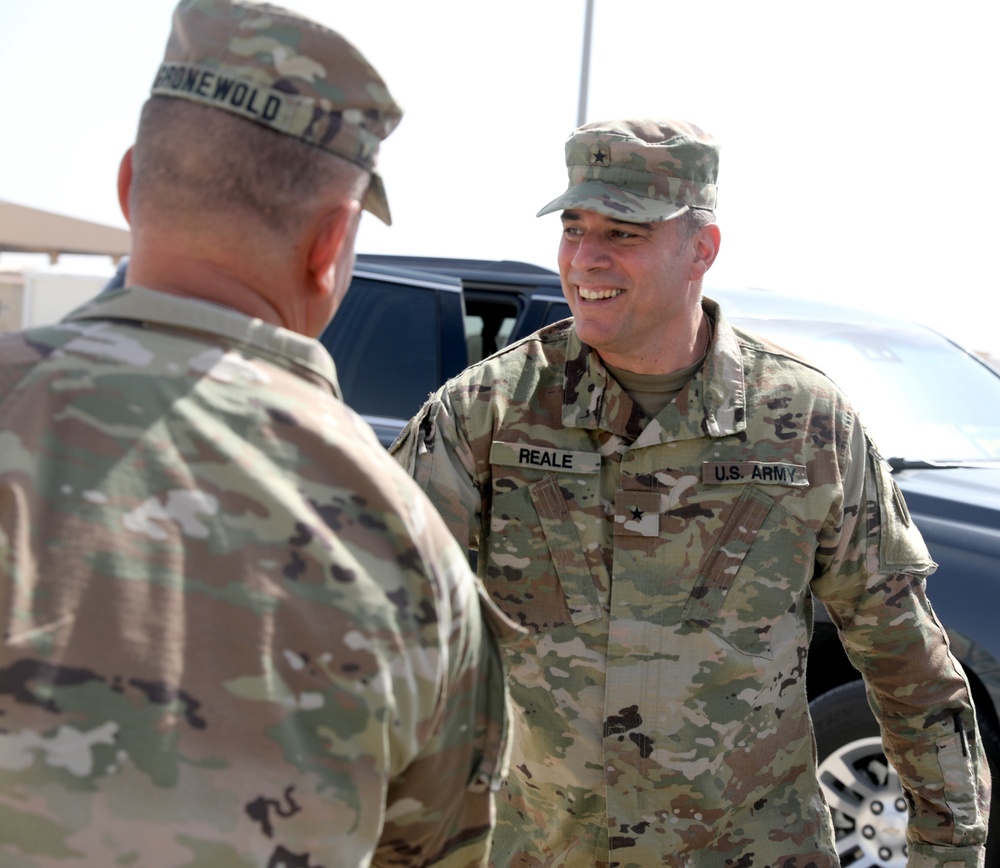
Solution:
(232, 630)
(253, 110)
(194, 167)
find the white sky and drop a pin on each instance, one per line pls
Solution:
(859, 140)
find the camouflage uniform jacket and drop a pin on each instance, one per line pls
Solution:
(664, 568)
(234, 631)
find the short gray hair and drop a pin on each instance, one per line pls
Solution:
(191, 159)
(692, 221)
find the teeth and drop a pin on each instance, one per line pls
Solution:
(598, 294)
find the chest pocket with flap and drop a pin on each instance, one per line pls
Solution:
(754, 574)
(536, 569)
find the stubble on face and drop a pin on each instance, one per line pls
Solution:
(629, 286)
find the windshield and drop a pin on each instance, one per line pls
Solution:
(920, 397)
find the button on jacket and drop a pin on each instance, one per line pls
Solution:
(666, 569)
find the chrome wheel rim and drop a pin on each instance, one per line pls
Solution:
(867, 804)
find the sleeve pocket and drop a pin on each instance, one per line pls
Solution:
(957, 772)
(895, 545)
(494, 758)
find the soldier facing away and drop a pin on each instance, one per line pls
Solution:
(658, 496)
(234, 632)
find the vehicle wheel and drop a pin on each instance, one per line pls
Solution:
(863, 791)
(866, 799)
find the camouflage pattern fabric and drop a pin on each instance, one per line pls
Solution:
(270, 66)
(235, 633)
(665, 568)
(639, 170)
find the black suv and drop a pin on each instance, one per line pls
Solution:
(409, 323)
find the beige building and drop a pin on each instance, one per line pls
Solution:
(33, 297)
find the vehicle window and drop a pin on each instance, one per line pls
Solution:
(488, 325)
(920, 396)
(557, 310)
(384, 340)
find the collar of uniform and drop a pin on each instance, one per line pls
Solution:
(258, 337)
(724, 395)
(592, 398)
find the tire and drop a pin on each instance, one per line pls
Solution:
(863, 791)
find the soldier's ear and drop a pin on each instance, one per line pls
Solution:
(125, 184)
(334, 229)
(706, 248)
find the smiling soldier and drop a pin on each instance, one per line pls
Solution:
(699, 488)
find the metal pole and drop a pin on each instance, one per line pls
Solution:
(581, 113)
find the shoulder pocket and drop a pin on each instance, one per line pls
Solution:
(894, 543)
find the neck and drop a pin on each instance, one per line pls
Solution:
(185, 270)
(679, 352)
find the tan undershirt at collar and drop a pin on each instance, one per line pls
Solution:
(653, 392)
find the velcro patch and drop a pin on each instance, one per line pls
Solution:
(542, 458)
(754, 473)
(637, 512)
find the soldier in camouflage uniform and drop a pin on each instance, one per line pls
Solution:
(235, 633)
(657, 496)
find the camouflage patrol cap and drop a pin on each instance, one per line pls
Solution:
(272, 66)
(639, 170)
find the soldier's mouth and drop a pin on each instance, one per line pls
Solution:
(589, 294)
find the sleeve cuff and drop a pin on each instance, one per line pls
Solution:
(933, 856)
